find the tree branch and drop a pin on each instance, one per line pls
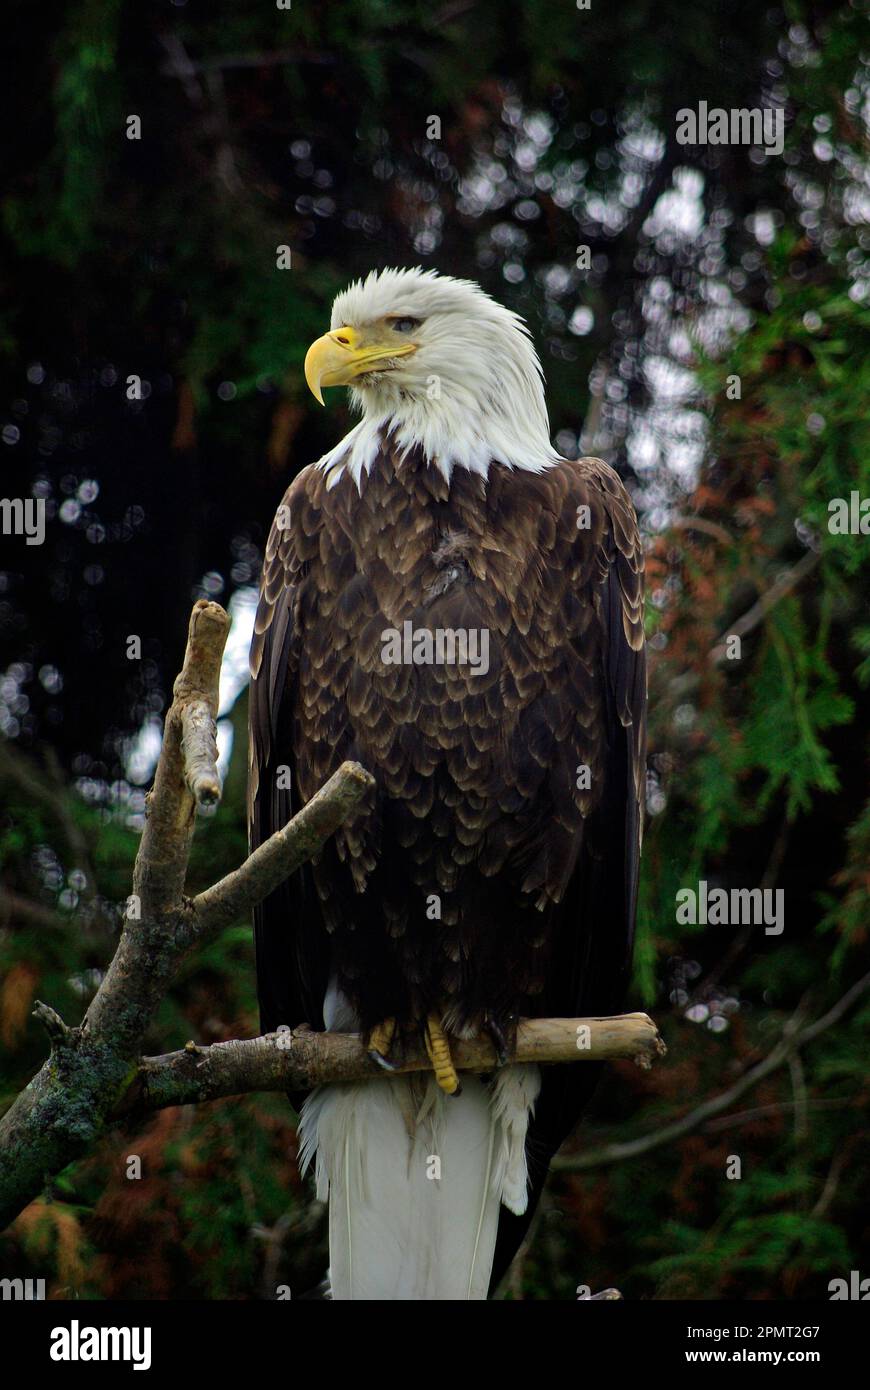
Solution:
(14, 907)
(300, 1059)
(91, 1068)
(161, 863)
(283, 852)
(59, 1035)
(782, 585)
(48, 791)
(199, 750)
(793, 1039)
(787, 580)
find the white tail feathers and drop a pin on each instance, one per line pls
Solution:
(415, 1179)
(514, 1093)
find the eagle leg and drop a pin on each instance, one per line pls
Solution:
(381, 1040)
(438, 1049)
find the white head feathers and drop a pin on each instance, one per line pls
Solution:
(471, 393)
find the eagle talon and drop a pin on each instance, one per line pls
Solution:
(381, 1040)
(383, 1062)
(498, 1038)
(438, 1049)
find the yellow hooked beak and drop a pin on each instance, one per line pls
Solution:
(339, 357)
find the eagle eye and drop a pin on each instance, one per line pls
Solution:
(406, 324)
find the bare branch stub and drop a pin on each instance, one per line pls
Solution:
(161, 863)
(59, 1034)
(199, 753)
(284, 851)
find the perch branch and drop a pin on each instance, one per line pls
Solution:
(299, 1059)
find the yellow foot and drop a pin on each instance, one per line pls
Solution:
(380, 1041)
(439, 1055)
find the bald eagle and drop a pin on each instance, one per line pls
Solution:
(450, 603)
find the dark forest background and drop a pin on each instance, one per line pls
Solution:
(716, 352)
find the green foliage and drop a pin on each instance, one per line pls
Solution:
(794, 699)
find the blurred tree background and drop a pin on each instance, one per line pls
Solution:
(714, 350)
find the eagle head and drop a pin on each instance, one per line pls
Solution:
(441, 364)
